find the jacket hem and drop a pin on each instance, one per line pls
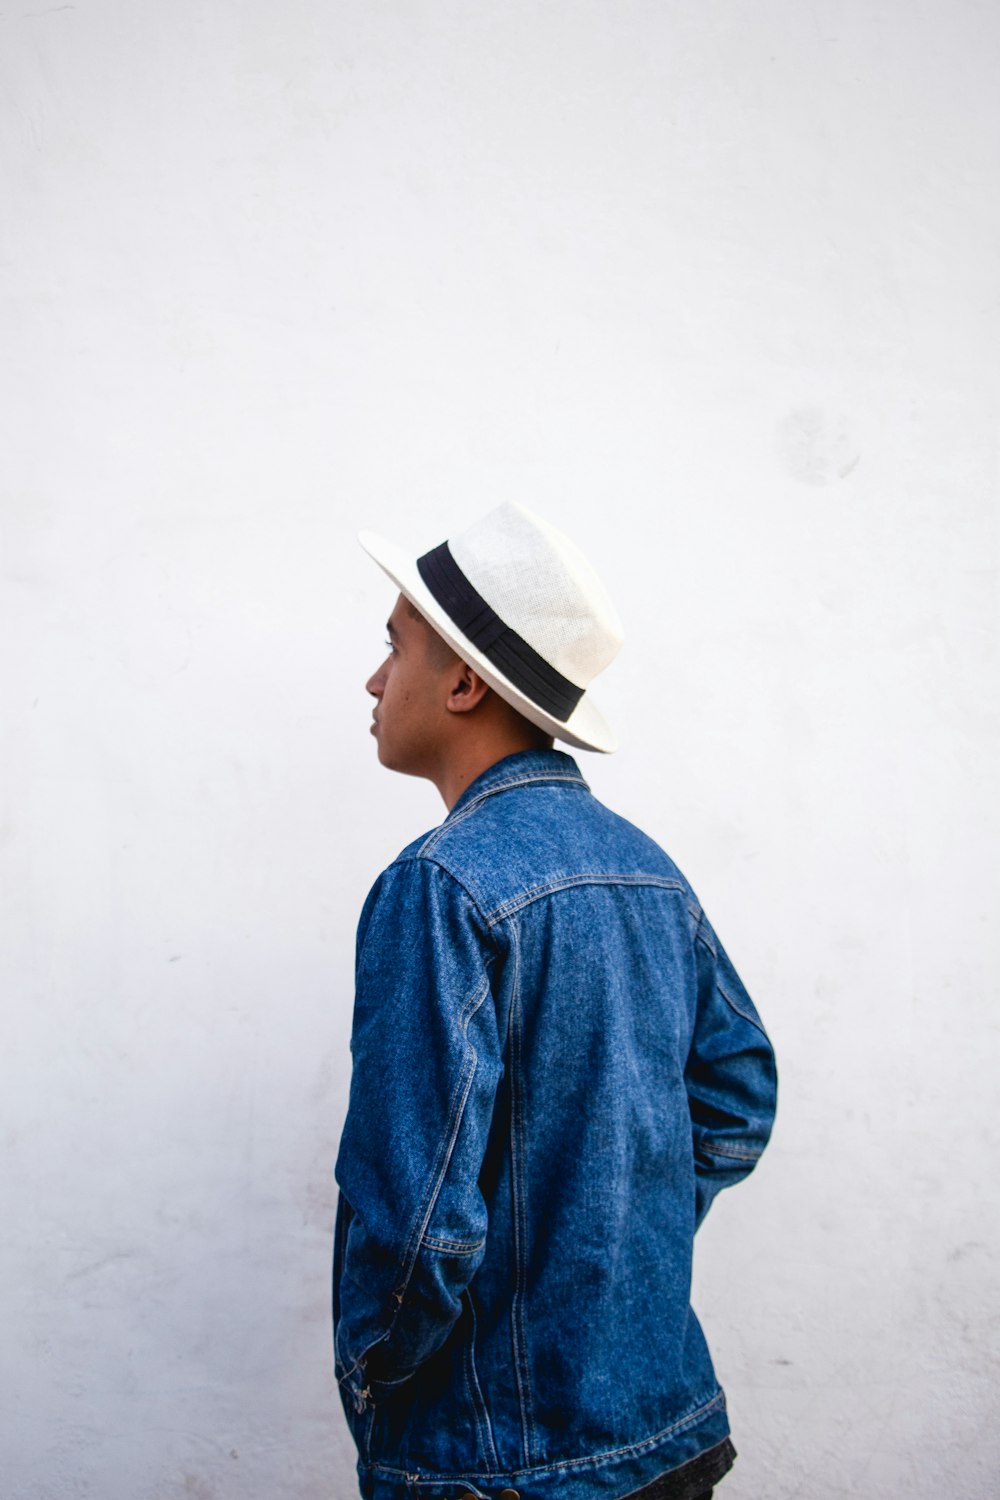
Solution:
(612, 1473)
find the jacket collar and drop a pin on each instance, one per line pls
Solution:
(516, 770)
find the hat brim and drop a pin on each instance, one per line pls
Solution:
(586, 728)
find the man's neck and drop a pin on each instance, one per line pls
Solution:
(469, 761)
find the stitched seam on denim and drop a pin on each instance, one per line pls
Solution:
(567, 882)
(452, 1247)
(701, 936)
(439, 864)
(453, 819)
(591, 1461)
(732, 1152)
(368, 1434)
(357, 1363)
(456, 1111)
(444, 1152)
(392, 1385)
(740, 1009)
(480, 1445)
(520, 1217)
(478, 1400)
(722, 1455)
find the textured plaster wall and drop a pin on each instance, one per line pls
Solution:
(712, 284)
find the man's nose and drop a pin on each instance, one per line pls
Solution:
(375, 684)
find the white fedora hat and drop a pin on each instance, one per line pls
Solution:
(519, 602)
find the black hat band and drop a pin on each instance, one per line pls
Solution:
(510, 653)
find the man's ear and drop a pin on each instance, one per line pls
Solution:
(467, 689)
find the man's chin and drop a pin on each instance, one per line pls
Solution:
(394, 763)
(384, 755)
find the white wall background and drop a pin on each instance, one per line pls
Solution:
(714, 285)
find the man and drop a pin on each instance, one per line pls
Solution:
(556, 1068)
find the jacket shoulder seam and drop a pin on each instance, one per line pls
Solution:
(439, 864)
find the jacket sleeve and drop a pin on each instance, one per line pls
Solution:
(730, 1075)
(426, 1062)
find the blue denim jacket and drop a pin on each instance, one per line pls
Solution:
(556, 1068)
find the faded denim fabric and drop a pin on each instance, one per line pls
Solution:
(556, 1068)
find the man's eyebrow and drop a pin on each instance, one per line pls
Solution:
(390, 627)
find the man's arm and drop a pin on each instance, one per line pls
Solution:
(427, 1059)
(730, 1076)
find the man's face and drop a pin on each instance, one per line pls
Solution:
(411, 689)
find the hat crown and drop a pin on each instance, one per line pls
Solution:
(541, 585)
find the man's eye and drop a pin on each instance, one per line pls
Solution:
(392, 649)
